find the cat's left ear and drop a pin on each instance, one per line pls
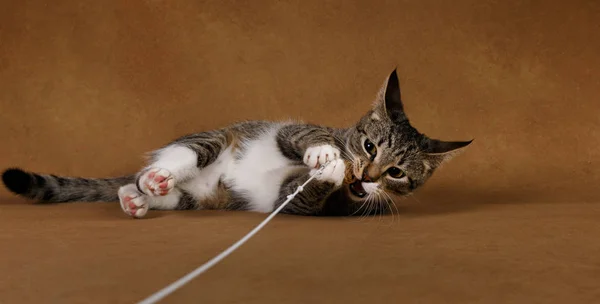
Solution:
(393, 98)
(439, 151)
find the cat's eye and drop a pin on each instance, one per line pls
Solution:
(396, 172)
(370, 147)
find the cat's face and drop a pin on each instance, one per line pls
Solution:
(388, 155)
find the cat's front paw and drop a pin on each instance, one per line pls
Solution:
(316, 156)
(334, 172)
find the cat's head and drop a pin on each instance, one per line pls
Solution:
(388, 154)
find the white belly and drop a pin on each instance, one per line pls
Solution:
(257, 175)
(204, 183)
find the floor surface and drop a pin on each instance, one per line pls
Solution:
(493, 253)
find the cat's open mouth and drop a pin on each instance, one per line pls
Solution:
(357, 189)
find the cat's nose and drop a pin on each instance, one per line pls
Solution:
(371, 174)
(366, 178)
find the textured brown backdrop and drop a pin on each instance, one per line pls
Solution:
(87, 87)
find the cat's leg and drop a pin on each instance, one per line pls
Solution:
(313, 145)
(311, 199)
(180, 161)
(137, 204)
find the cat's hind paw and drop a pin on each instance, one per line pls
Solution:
(316, 156)
(132, 202)
(334, 172)
(156, 182)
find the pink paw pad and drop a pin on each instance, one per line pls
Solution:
(157, 182)
(133, 205)
(132, 202)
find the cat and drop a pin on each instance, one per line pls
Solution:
(254, 165)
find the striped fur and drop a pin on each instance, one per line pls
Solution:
(58, 189)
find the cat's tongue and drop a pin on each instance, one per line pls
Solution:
(357, 189)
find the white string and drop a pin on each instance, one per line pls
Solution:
(190, 276)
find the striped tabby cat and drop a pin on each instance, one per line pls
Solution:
(254, 165)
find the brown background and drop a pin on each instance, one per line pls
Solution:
(87, 87)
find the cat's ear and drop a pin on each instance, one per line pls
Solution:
(392, 98)
(389, 100)
(438, 151)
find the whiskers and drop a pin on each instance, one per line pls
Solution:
(346, 153)
(411, 195)
(378, 204)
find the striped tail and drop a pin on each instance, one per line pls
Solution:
(57, 189)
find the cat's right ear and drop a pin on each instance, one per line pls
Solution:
(391, 98)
